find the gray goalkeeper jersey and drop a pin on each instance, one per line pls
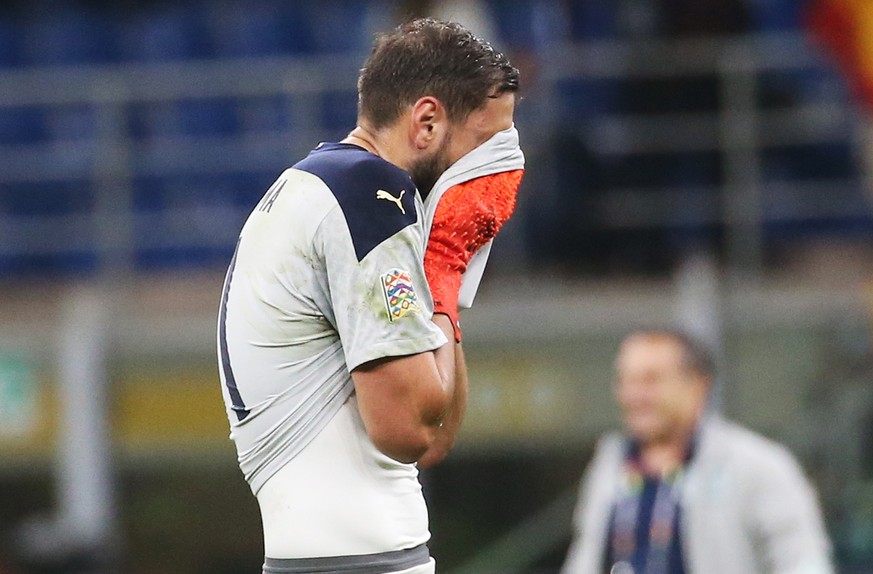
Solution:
(327, 275)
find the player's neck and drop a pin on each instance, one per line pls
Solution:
(376, 142)
(361, 137)
(387, 143)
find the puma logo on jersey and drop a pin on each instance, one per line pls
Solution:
(382, 194)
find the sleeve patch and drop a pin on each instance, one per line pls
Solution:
(400, 297)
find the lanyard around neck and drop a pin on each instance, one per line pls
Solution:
(626, 516)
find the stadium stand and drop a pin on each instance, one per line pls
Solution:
(135, 136)
(176, 128)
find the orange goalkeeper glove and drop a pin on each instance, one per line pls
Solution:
(467, 217)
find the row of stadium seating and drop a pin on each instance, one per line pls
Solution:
(64, 32)
(70, 33)
(212, 117)
(172, 221)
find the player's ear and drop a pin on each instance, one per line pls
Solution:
(428, 122)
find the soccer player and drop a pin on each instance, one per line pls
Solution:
(339, 380)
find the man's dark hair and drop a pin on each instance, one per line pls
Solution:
(427, 57)
(696, 356)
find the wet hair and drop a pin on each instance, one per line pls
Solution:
(696, 356)
(427, 57)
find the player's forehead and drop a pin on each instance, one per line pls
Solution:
(495, 116)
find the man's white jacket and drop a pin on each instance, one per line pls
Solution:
(746, 507)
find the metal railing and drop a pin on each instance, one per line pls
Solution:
(741, 128)
(107, 159)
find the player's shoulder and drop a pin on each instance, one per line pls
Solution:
(377, 198)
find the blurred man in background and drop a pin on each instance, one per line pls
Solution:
(337, 375)
(684, 491)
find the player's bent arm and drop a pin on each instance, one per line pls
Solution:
(403, 400)
(448, 430)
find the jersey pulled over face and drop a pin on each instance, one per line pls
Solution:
(327, 275)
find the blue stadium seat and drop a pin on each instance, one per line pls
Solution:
(220, 203)
(22, 125)
(72, 123)
(208, 117)
(339, 26)
(258, 28)
(528, 25)
(592, 19)
(339, 112)
(62, 33)
(150, 120)
(10, 42)
(265, 114)
(164, 32)
(584, 98)
(193, 117)
(56, 198)
(43, 265)
(239, 191)
(776, 15)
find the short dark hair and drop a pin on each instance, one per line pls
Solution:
(696, 356)
(428, 57)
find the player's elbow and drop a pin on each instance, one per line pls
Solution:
(405, 446)
(402, 402)
(435, 454)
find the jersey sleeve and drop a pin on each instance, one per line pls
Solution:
(381, 304)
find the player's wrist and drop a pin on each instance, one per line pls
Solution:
(452, 316)
(447, 322)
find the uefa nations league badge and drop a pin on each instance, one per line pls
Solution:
(400, 297)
